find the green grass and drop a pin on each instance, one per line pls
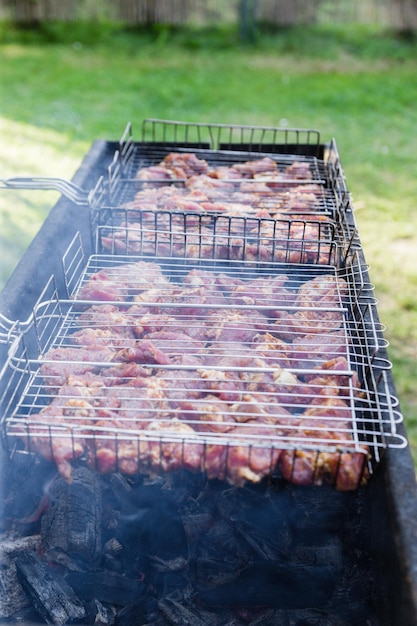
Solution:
(63, 86)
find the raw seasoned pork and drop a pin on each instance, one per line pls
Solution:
(183, 186)
(235, 375)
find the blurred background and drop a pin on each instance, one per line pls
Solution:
(73, 71)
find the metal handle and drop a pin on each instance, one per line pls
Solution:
(66, 188)
(9, 329)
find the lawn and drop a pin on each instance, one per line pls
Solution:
(65, 87)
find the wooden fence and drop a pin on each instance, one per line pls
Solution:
(401, 14)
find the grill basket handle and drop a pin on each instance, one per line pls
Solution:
(68, 189)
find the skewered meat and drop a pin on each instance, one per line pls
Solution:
(184, 383)
(251, 462)
(106, 317)
(123, 372)
(226, 385)
(175, 343)
(207, 414)
(152, 198)
(174, 446)
(212, 184)
(234, 376)
(321, 289)
(228, 237)
(103, 287)
(251, 452)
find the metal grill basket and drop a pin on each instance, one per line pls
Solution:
(204, 365)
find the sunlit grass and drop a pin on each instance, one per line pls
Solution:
(27, 150)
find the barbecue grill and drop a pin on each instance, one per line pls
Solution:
(225, 378)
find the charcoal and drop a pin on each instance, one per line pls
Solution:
(317, 512)
(115, 489)
(168, 576)
(150, 526)
(214, 572)
(105, 586)
(26, 481)
(179, 615)
(274, 584)
(48, 590)
(168, 565)
(183, 488)
(329, 552)
(260, 523)
(98, 614)
(313, 617)
(353, 595)
(168, 583)
(195, 524)
(199, 552)
(112, 557)
(72, 524)
(268, 617)
(142, 611)
(27, 616)
(219, 617)
(221, 539)
(118, 484)
(12, 597)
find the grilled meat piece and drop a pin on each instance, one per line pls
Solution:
(156, 175)
(319, 301)
(152, 198)
(345, 467)
(312, 349)
(142, 351)
(207, 413)
(273, 350)
(188, 162)
(60, 363)
(121, 282)
(232, 325)
(262, 292)
(52, 432)
(175, 343)
(250, 169)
